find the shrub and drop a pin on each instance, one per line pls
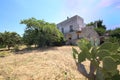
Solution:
(16, 48)
(107, 53)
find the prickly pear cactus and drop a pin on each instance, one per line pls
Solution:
(108, 54)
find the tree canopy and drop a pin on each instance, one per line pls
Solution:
(115, 35)
(41, 33)
(9, 39)
(99, 27)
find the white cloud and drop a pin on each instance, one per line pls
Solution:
(85, 7)
(108, 3)
(118, 6)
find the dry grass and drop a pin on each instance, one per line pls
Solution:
(49, 64)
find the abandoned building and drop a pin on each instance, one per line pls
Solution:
(74, 28)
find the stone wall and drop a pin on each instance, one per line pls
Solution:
(89, 33)
(78, 26)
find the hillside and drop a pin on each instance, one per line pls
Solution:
(49, 64)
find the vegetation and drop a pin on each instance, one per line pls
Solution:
(115, 35)
(104, 59)
(4, 53)
(54, 63)
(41, 33)
(99, 27)
(106, 54)
(9, 39)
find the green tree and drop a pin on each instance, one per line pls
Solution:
(100, 31)
(41, 33)
(10, 39)
(115, 35)
(99, 27)
(1, 40)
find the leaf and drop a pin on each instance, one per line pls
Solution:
(99, 74)
(84, 44)
(118, 50)
(106, 46)
(114, 72)
(81, 57)
(116, 77)
(102, 53)
(109, 64)
(95, 63)
(89, 46)
(115, 47)
(93, 52)
(74, 53)
(88, 55)
(112, 47)
(117, 58)
(74, 50)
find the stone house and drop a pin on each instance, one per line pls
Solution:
(74, 28)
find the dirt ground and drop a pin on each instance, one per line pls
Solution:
(54, 63)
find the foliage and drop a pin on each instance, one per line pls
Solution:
(113, 40)
(115, 34)
(3, 54)
(98, 24)
(16, 48)
(99, 27)
(9, 39)
(100, 31)
(41, 33)
(1, 40)
(107, 53)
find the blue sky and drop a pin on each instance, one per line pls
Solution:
(55, 11)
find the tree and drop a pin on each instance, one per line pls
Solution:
(115, 35)
(99, 27)
(41, 33)
(10, 39)
(1, 40)
(100, 31)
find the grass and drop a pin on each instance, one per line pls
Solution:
(54, 63)
(41, 64)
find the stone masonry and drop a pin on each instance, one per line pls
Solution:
(74, 28)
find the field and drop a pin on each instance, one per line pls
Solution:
(54, 63)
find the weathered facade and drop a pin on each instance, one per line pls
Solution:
(74, 28)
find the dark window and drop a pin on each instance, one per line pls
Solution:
(62, 30)
(71, 28)
(77, 36)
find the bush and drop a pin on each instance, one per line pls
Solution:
(107, 53)
(16, 48)
(113, 40)
(2, 46)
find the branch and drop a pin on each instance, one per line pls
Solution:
(82, 70)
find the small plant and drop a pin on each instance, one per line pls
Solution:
(3, 54)
(16, 48)
(107, 54)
